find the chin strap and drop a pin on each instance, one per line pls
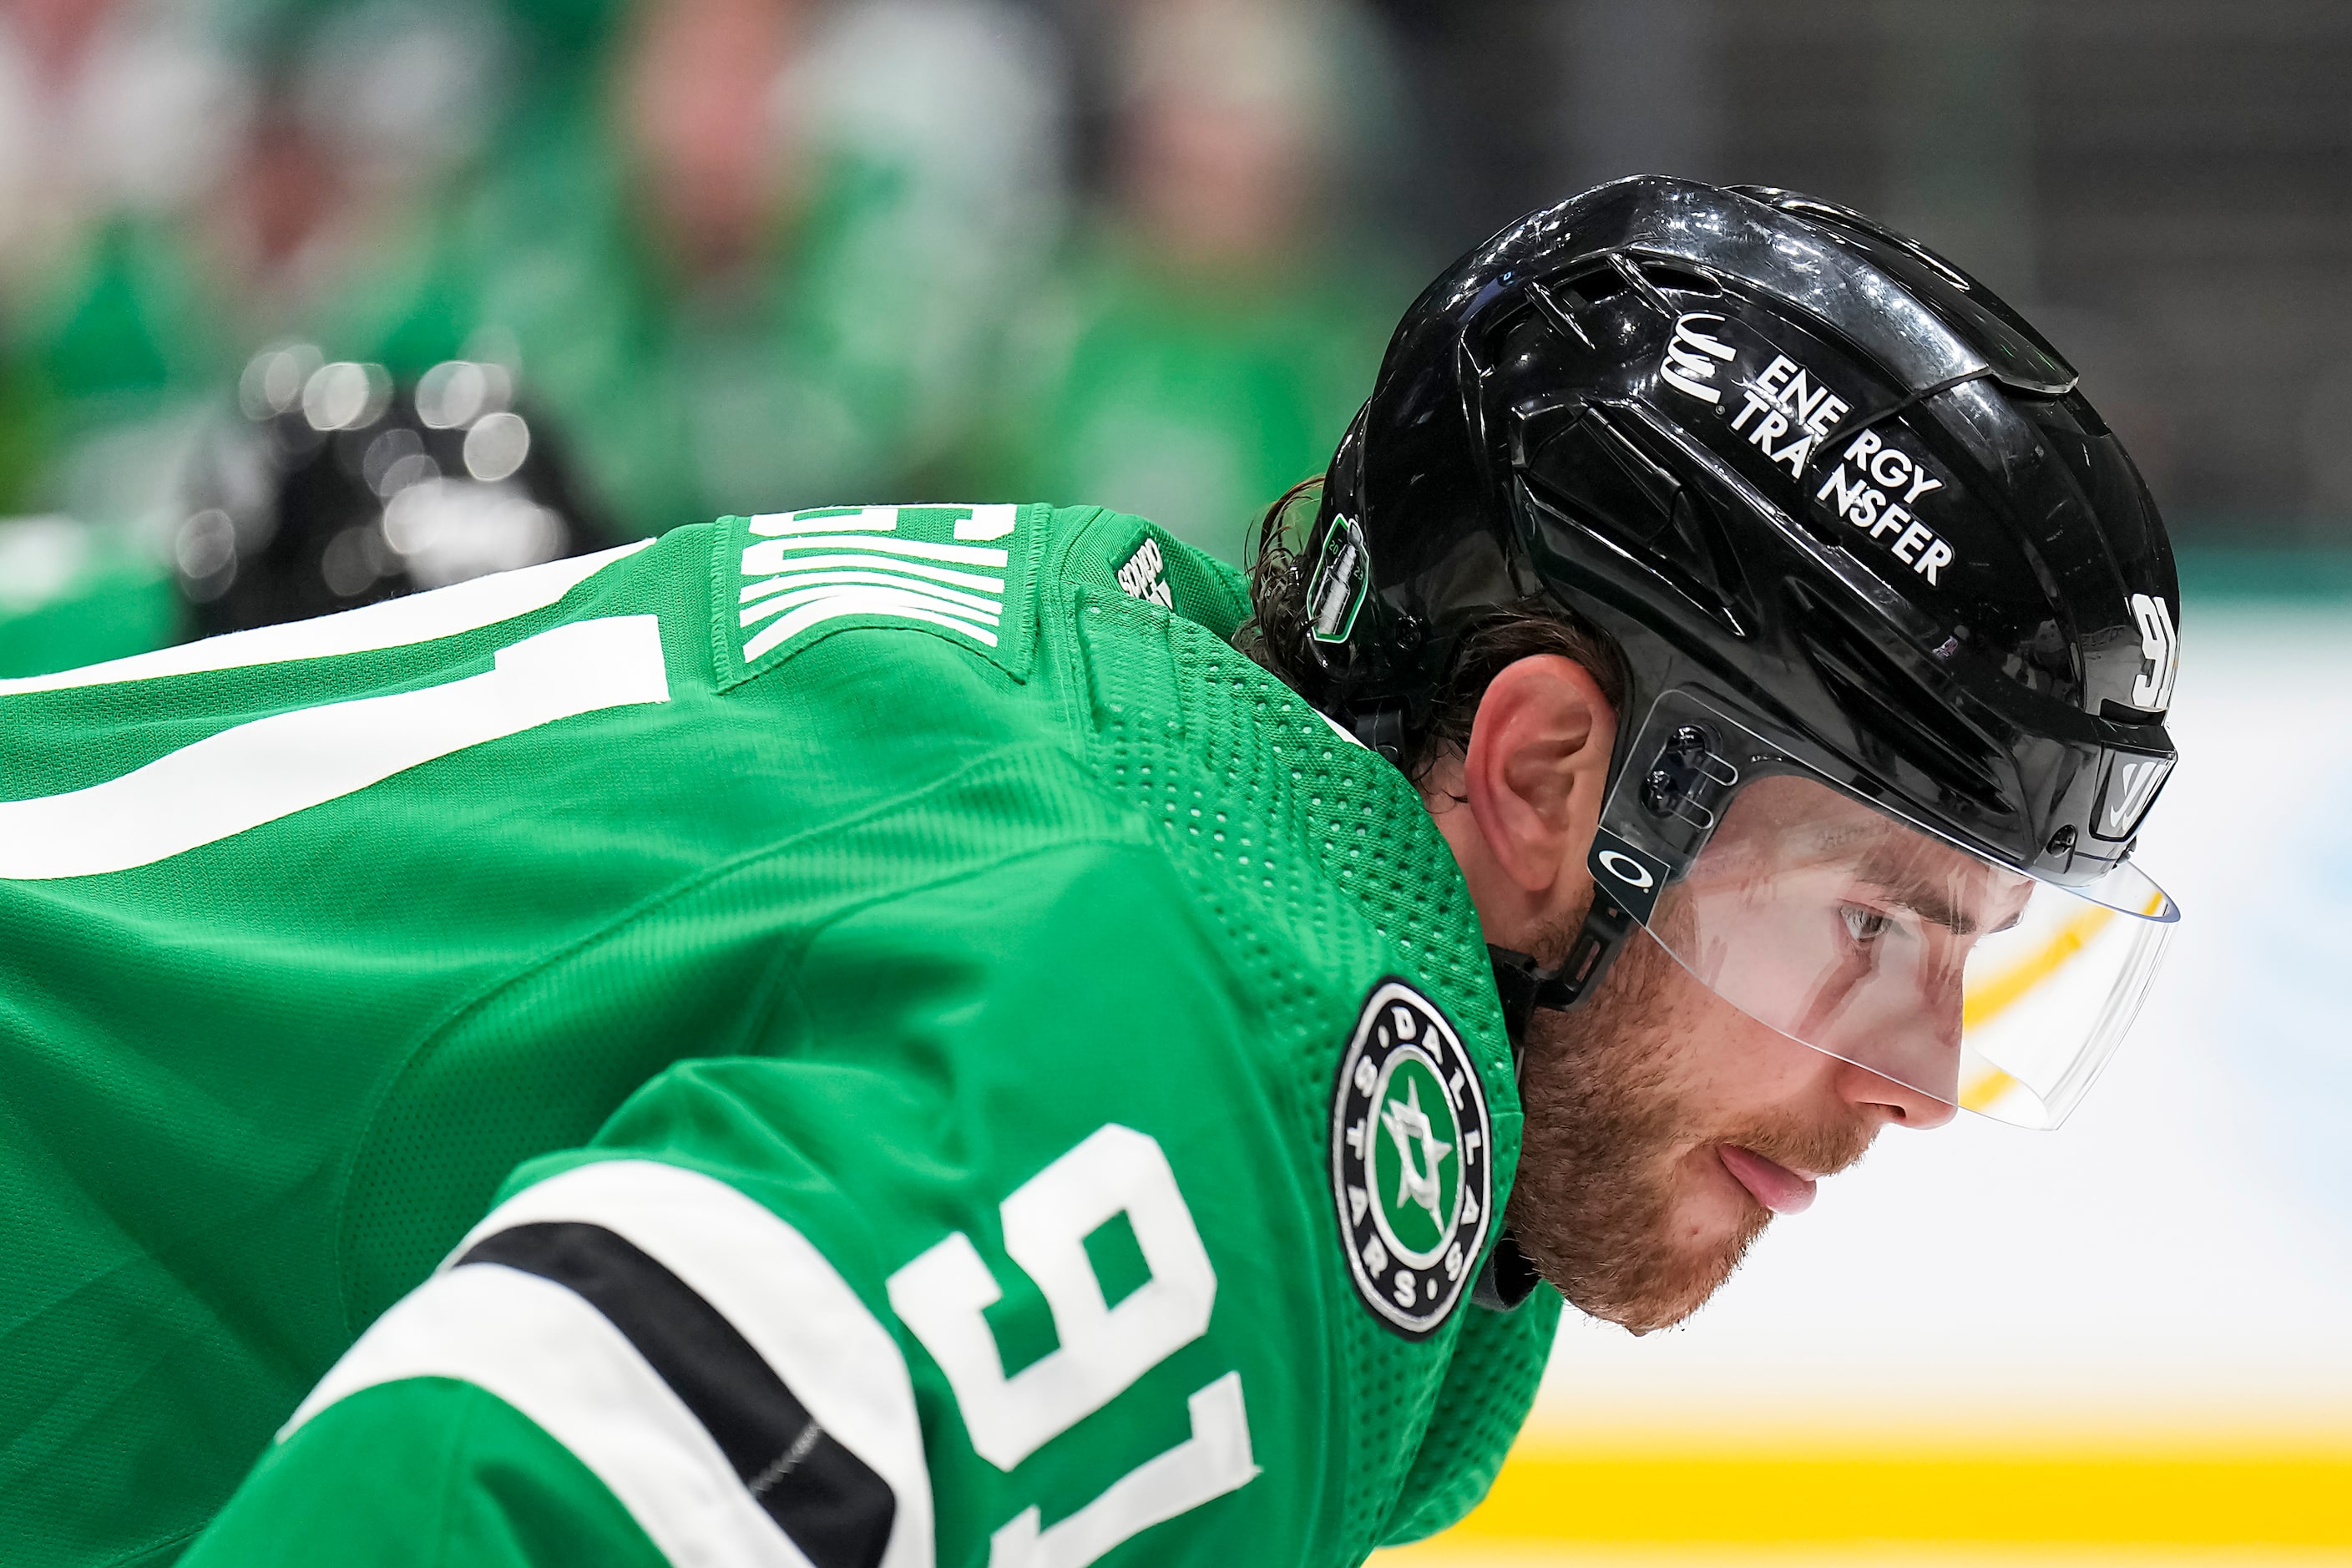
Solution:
(1507, 1279)
(1381, 727)
(1523, 984)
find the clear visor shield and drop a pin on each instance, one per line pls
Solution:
(1883, 945)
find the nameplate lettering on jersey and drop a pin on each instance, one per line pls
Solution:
(256, 772)
(790, 579)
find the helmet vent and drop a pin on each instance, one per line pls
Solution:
(1891, 706)
(1600, 468)
(1688, 280)
(1589, 287)
(1582, 465)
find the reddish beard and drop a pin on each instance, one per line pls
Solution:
(1599, 1181)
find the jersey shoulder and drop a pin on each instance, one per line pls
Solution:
(1100, 547)
(1326, 902)
(982, 576)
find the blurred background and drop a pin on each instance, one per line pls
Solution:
(308, 302)
(689, 257)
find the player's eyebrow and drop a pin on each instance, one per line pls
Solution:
(1886, 857)
(1930, 898)
(1923, 898)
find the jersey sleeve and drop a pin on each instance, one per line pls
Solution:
(391, 1453)
(986, 1252)
(1490, 1384)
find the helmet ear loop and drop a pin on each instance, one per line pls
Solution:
(1686, 782)
(1524, 985)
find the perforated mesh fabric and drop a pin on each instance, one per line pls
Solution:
(1497, 1363)
(345, 1024)
(1235, 769)
(1211, 593)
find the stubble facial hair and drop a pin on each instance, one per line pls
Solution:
(1593, 1204)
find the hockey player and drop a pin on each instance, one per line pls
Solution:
(878, 1037)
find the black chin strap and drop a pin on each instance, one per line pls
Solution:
(1508, 1279)
(1525, 985)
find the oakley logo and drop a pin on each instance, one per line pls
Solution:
(2133, 785)
(2159, 645)
(1626, 870)
(1692, 355)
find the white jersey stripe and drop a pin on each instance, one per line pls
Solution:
(397, 623)
(781, 1294)
(257, 772)
(992, 521)
(553, 1357)
(1338, 729)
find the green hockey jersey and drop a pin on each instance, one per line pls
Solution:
(866, 1037)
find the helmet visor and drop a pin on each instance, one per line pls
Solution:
(1879, 944)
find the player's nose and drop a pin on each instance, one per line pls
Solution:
(1883, 1100)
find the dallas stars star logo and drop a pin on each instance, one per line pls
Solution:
(1411, 1160)
(1406, 1124)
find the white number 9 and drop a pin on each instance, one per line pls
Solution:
(1104, 1349)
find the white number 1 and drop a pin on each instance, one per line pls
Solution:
(1104, 1349)
(256, 772)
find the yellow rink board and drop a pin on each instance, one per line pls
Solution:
(1909, 1493)
(1877, 1554)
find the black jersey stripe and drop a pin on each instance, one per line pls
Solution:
(834, 1508)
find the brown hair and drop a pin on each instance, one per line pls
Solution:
(1275, 636)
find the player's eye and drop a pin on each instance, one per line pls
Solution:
(1863, 925)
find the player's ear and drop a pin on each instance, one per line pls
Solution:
(1535, 769)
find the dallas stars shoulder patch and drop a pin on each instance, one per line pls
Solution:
(1411, 1160)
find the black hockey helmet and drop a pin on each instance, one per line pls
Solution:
(334, 486)
(1848, 522)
